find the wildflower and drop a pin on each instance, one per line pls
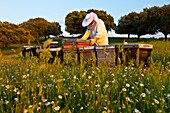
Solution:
(141, 84)
(66, 93)
(163, 87)
(15, 90)
(87, 85)
(143, 95)
(84, 73)
(48, 103)
(124, 89)
(44, 100)
(128, 99)
(52, 102)
(30, 106)
(132, 87)
(6, 102)
(132, 68)
(142, 75)
(124, 75)
(74, 77)
(156, 101)
(7, 86)
(24, 76)
(57, 108)
(38, 108)
(81, 108)
(148, 92)
(18, 92)
(125, 68)
(130, 93)
(89, 77)
(97, 69)
(16, 99)
(113, 81)
(168, 95)
(105, 108)
(39, 103)
(60, 96)
(25, 111)
(49, 85)
(127, 85)
(64, 79)
(137, 83)
(136, 100)
(137, 111)
(106, 86)
(52, 76)
(98, 85)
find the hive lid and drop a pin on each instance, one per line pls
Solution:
(86, 48)
(29, 47)
(107, 47)
(55, 49)
(145, 46)
(56, 42)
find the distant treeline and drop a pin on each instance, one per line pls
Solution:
(149, 21)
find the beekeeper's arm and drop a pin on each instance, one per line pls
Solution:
(86, 35)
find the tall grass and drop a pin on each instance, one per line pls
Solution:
(33, 85)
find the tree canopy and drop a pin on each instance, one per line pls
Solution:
(39, 27)
(164, 20)
(27, 31)
(13, 34)
(73, 21)
(150, 21)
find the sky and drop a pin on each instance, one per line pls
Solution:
(18, 11)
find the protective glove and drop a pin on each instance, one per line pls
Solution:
(92, 41)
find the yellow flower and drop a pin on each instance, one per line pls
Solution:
(123, 106)
(1, 78)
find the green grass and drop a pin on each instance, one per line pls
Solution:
(33, 85)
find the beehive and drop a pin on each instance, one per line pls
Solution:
(31, 50)
(82, 43)
(105, 55)
(54, 44)
(138, 52)
(86, 54)
(56, 52)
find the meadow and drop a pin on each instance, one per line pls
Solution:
(29, 84)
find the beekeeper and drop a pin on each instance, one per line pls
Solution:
(96, 29)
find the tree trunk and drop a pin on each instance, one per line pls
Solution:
(128, 35)
(139, 37)
(165, 37)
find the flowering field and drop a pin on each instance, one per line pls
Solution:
(32, 85)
